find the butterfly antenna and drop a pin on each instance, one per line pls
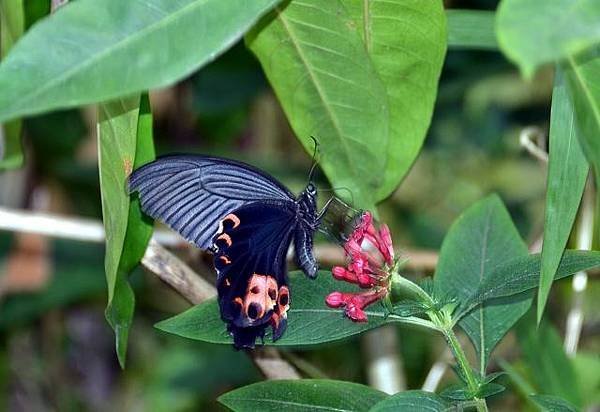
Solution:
(314, 159)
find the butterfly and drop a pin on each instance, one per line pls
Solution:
(248, 220)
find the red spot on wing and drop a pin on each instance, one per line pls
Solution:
(226, 238)
(225, 259)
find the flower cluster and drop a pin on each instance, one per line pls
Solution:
(371, 258)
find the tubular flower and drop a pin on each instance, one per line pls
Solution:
(370, 256)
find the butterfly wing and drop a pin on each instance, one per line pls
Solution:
(191, 193)
(250, 257)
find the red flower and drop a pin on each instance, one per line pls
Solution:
(371, 258)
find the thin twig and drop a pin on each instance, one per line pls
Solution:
(584, 242)
(437, 371)
(89, 230)
(533, 139)
(171, 270)
(384, 366)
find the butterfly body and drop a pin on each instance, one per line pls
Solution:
(248, 220)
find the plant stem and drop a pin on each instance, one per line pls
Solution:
(465, 367)
(442, 318)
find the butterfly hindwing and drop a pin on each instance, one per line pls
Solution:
(250, 257)
(191, 193)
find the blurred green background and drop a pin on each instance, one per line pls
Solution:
(57, 351)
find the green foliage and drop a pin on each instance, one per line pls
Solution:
(481, 238)
(335, 68)
(567, 173)
(551, 369)
(78, 276)
(302, 395)
(549, 403)
(583, 77)
(534, 32)
(307, 312)
(522, 274)
(129, 47)
(12, 22)
(471, 29)
(361, 77)
(412, 401)
(125, 142)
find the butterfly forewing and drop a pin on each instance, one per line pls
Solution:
(192, 193)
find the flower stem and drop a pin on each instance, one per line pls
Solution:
(442, 319)
(465, 367)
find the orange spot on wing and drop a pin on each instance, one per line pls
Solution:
(225, 260)
(233, 218)
(226, 238)
(239, 301)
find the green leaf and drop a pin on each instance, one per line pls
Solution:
(308, 312)
(405, 39)
(587, 370)
(335, 67)
(302, 395)
(121, 47)
(412, 401)
(457, 392)
(481, 238)
(534, 32)
(549, 403)
(550, 368)
(583, 77)
(471, 29)
(519, 275)
(125, 140)
(521, 382)
(12, 25)
(489, 389)
(567, 173)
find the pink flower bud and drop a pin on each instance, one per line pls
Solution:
(385, 243)
(353, 247)
(355, 313)
(335, 299)
(365, 280)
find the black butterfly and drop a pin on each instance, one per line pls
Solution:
(248, 220)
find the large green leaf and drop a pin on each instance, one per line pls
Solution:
(481, 238)
(406, 42)
(310, 321)
(567, 173)
(583, 76)
(96, 50)
(302, 395)
(521, 274)
(471, 29)
(12, 25)
(359, 76)
(550, 368)
(125, 142)
(534, 32)
(412, 401)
